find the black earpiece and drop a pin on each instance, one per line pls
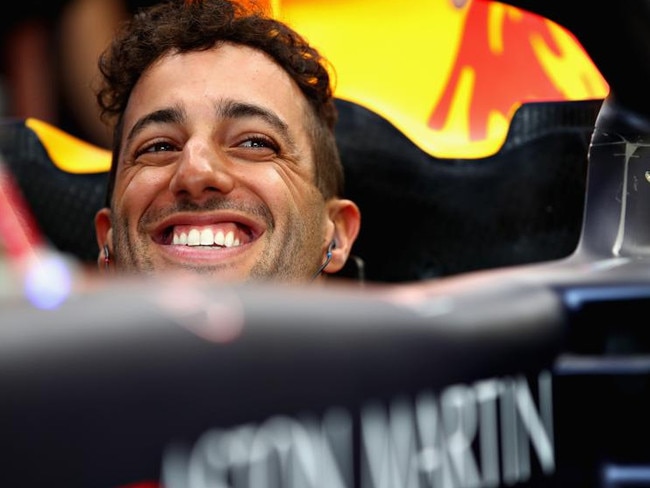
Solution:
(328, 258)
(330, 248)
(107, 257)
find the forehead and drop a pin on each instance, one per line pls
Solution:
(198, 80)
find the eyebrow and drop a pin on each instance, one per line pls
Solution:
(166, 115)
(237, 110)
(226, 109)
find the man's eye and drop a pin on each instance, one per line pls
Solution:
(156, 147)
(259, 142)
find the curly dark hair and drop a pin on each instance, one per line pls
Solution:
(195, 25)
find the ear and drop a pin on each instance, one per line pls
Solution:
(346, 219)
(103, 235)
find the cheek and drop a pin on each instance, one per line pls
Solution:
(139, 188)
(281, 186)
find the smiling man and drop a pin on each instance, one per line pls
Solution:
(224, 158)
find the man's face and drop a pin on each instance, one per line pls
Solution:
(216, 172)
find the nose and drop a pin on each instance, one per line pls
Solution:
(202, 169)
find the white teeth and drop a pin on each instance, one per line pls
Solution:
(180, 239)
(230, 237)
(194, 238)
(205, 237)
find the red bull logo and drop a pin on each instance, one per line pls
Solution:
(450, 77)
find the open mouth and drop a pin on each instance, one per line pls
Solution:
(224, 235)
